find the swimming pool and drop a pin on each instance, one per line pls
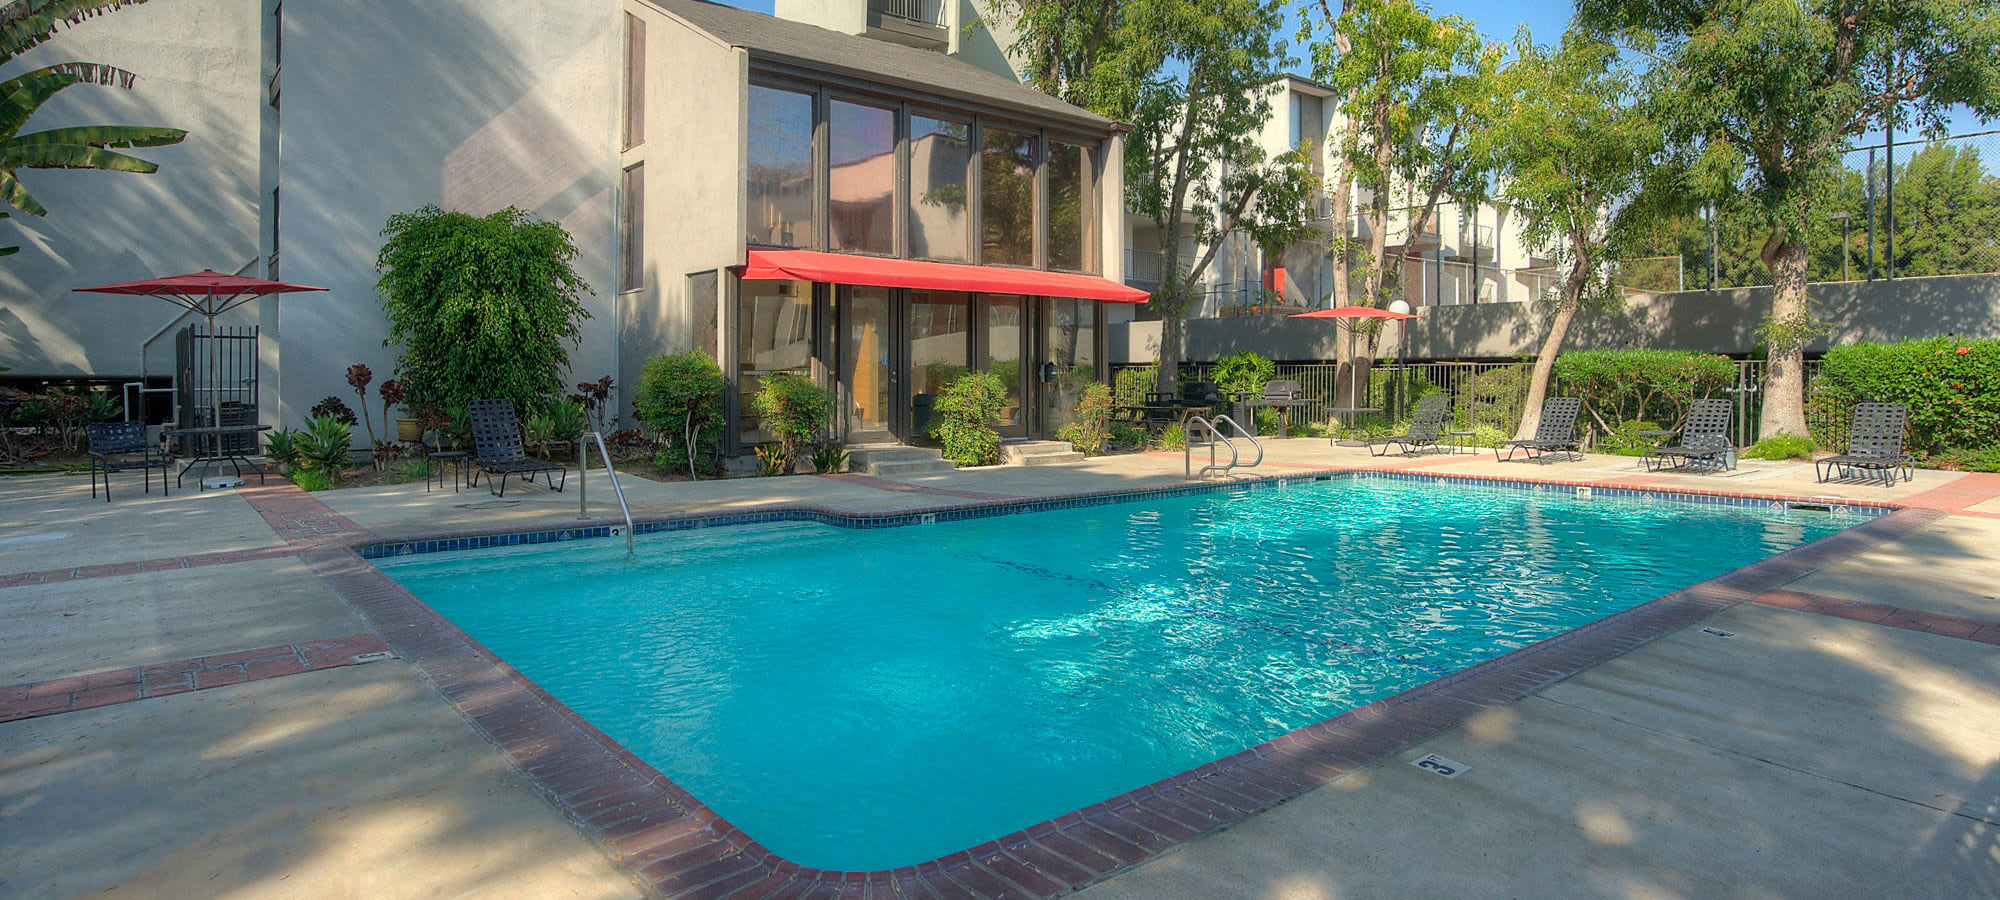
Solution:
(864, 699)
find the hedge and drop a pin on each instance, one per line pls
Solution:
(1950, 384)
(1653, 386)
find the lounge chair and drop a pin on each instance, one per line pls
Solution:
(496, 447)
(1703, 443)
(1556, 433)
(1874, 444)
(120, 447)
(1426, 427)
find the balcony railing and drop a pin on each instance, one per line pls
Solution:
(1143, 268)
(922, 12)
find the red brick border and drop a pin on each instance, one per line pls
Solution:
(678, 847)
(1981, 630)
(165, 563)
(59, 695)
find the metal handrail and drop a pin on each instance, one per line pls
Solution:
(1214, 435)
(583, 482)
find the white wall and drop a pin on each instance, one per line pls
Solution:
(475, 105)
(198, 63)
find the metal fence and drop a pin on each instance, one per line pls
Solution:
(1907, 208)
(1489, 397)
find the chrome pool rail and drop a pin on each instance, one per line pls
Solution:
(583, 482)
(1216, 435)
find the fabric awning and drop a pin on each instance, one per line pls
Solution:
(842, 268)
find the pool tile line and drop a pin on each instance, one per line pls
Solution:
(1963, 627)
(35, 699)
(677, 847)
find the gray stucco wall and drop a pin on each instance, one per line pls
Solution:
(199, 65)
(475, 105)
(1715, 321)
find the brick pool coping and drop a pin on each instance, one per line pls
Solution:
(34, 699)
(677, 847)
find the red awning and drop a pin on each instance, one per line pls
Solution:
(841, 268)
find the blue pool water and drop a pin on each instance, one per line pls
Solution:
(862, 699)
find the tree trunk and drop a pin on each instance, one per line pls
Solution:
(1545, 360)
(1784, 381)
(1171, 327)
(1341, 199)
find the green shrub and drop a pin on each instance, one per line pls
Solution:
(829, 459)
(1092, 427)
(323, 445)
(1781, 446)
(1129, 387)
(1950, 384)
(1242, 372)
(1631, 385)
(312, 479)
(1624, 438)
(795, 409)
(772, 460)
(1126, 434)
(1984, 459)
(963, 420)
(282, 447)
(555, 425)
(1494, 397)
(680, 398)
(482, 306)
(1172, 437)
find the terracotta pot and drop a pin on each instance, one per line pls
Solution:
(409, 430)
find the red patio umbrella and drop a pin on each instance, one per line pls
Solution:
(1352, 315)
(208, 293)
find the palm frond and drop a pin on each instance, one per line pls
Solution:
(71, 156)
(121, 136)
(12, 191)
(27, 23)
(21, 95)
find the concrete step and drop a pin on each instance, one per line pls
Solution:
(1038, 453)
(889, 460)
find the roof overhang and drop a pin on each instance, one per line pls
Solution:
(875, 271)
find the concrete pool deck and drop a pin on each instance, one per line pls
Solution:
(1827, 747)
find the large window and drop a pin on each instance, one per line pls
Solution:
(861, 177)
(1069, 207)
(632, 231)
(703, 309)
(635, 81)
(939, 151)
(1007, 197)
(773, 334)
(781, 177)
(1070, 339)
(940, 334)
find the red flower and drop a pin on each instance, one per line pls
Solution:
(1964, 350)
(358, 376)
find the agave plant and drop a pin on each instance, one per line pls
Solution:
(25, 24)
(323, 445)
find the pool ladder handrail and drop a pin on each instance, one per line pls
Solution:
(1214, 435)
(583, 482)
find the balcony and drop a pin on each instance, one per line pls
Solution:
(1473, 241)
(918, 23)
(1143, 268)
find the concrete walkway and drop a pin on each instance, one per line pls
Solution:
(1804, 755)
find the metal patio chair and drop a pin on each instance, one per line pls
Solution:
(122, 447)
(497, 450)
(1703, 442)
(1426, 427)
(1556, 433)
(1874, 445)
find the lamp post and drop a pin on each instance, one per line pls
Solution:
(1402, 307)
(1843, 218)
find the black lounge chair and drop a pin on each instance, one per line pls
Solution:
(1426, 427)
(1556, 433)
(1704, 440)
(121, 447)
(496, 447)
(1874, 444)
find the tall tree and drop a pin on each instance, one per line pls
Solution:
(1766, 94)
(1195, 79)
(1571, 147)
(24, 25)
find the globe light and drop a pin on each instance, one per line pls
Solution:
(1401, 307)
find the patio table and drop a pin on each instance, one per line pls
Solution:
(217, 448)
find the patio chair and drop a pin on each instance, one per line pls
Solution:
(1703, 443)
(1426, 427)
(496, 447)
(1556, 433)
(1194, 397)
(1874, 444)
(121, 447)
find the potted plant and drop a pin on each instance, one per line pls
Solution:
(409, 429)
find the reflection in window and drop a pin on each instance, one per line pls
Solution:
(940, 328)
(632, 230)
(773, 334)
(1005, 338)
(862, 178)
(1007, 197)
(938, 153)
(1068, 207)
(781, 168)
(635, 81)
(1071, 338)
(702, 309)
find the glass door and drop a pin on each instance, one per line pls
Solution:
(1003, 345)
(867, 363)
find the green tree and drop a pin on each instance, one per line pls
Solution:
(1765, 95)
(1194, 79)
(482, 306)
(1571, 148)
(24, 25)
